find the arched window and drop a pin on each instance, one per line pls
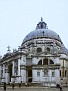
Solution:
(45, 61)
(48, 49)
(51, 62)
(40, 62)
(39, 49)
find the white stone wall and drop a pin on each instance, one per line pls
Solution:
(56, 60)
(7, 78)
(23, 75)
(37, 78)
(34, 75)
(23, 60)
(34, 61)
(41, 78)
(50, 75)
(57, 75)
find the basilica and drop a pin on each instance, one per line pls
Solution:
(40, 59)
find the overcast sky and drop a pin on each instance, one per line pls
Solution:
(19, 17)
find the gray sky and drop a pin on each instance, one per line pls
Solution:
(19, 17)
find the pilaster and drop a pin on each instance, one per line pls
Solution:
(57, 75)
(34, 75)
(50, 75)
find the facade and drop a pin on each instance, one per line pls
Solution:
(41, 59)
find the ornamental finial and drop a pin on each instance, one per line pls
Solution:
(41, 19)
(8, 48)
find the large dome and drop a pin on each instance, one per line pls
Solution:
(40, 32)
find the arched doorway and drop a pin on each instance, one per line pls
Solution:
(29, 73)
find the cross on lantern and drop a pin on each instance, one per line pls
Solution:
(8, 48)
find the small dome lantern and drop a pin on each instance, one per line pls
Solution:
(41, 24)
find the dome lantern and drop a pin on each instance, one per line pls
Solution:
(41, 24)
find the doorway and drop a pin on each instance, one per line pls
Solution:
(29, 71)
(10, 71)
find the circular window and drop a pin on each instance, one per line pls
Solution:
(39, 50)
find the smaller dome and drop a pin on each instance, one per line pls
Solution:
(63, 50)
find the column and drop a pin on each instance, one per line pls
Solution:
(23, 69)
(7, 79)
(13, 72)
(18, 67)
(19, 72)
(13, 68)
(3, 73)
